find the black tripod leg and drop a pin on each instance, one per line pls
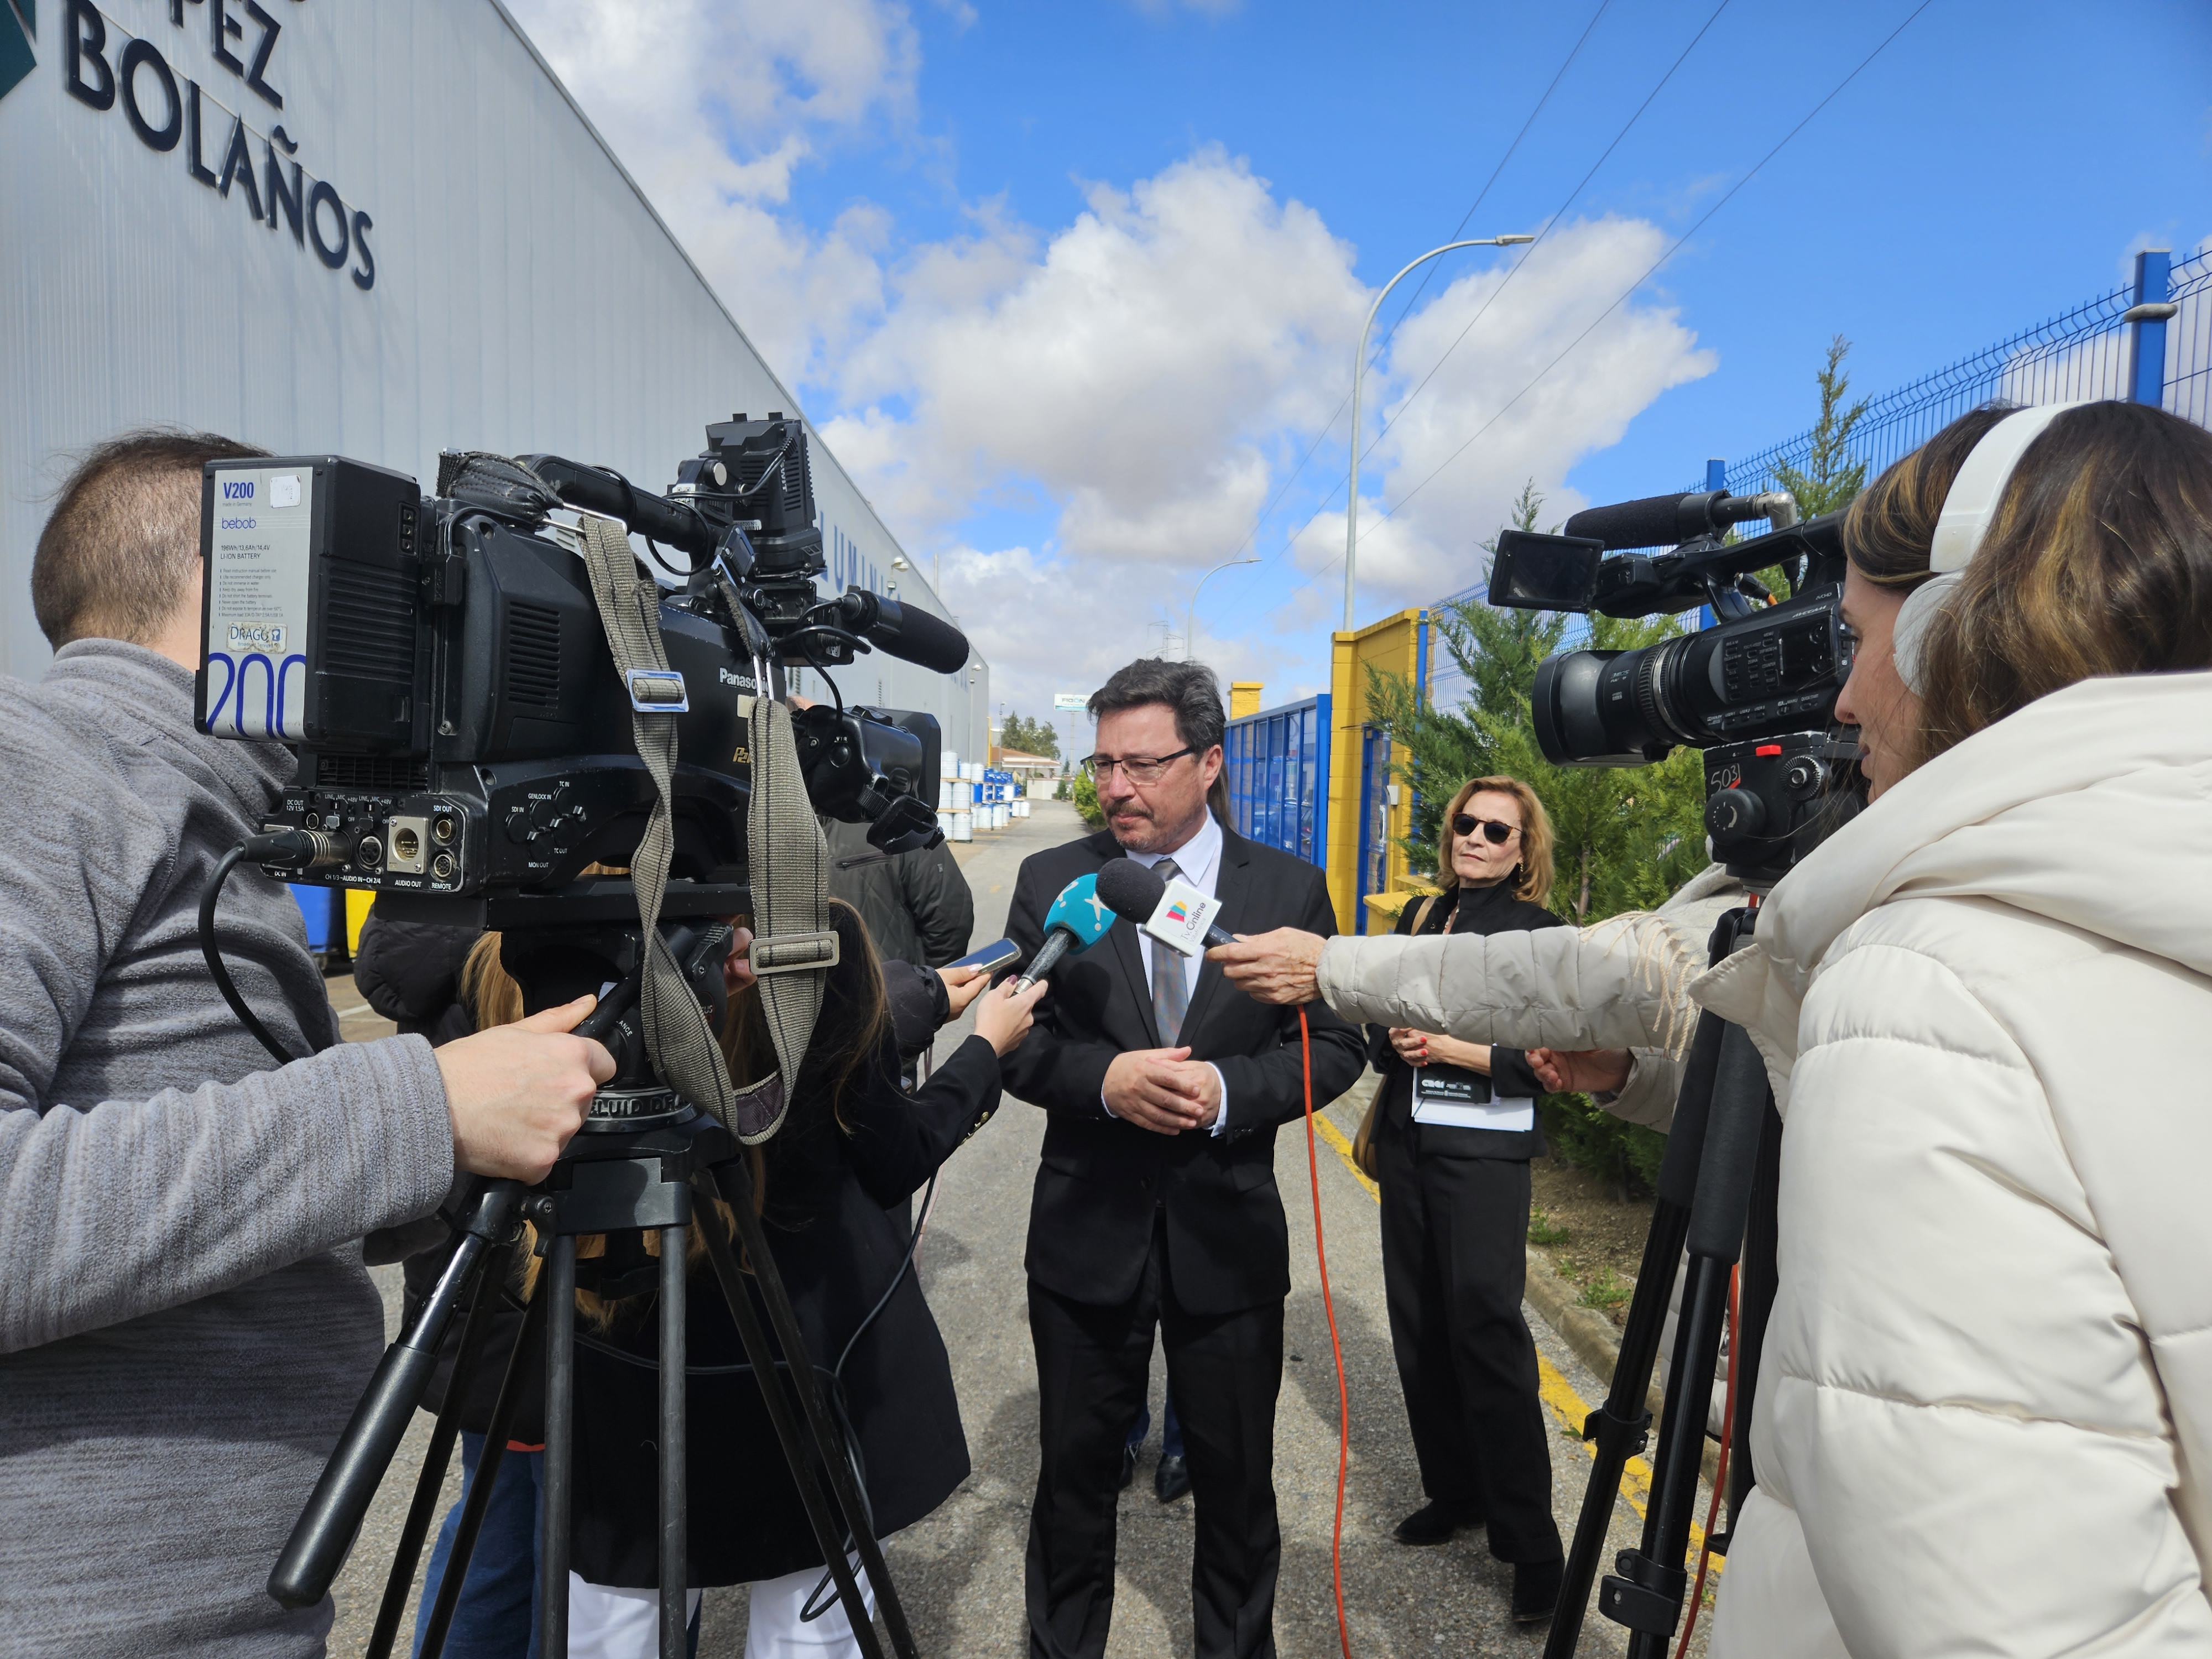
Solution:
(423, 1511)
(521, 1360)
(1618, 1427)
(779, 1409)
(1646, 1593)
(558, 1291)
(675, 1549)
(1755, 1301)
(326, 1527)
(846, 1489)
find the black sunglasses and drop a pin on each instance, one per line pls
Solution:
(1465, 823)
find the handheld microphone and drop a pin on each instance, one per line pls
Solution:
(1180, 917)
(1076, 922)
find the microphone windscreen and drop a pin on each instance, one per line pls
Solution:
(910, 632)
(1130, 888)
(1655, 521)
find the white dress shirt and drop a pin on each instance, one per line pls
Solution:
(1199, 860)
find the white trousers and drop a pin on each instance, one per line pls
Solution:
(605, 1622)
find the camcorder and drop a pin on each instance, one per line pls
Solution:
(1756, 691)
(440, 665)
(480, 692)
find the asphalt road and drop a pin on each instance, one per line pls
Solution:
(960, 1571)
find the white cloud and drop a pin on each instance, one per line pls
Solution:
(1428, 546)
(713, 105)
(1136, 366)
(1142, 376)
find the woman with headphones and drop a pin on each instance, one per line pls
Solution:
(1449, 1139)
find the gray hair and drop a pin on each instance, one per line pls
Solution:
(1188, 689)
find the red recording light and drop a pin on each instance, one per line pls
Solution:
(1766, 749)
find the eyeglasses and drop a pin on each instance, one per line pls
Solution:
(1497, 834)
(1138, 768)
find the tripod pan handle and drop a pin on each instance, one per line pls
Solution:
(326, 1529)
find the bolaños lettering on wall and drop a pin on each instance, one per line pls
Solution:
(104, 65)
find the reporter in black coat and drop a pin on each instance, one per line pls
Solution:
(855, 1144)
(1156, 1201)
(1454, 1130)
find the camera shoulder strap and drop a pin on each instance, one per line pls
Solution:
(790, 888)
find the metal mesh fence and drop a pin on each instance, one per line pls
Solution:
(2085, 352)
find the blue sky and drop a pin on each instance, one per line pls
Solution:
(1073, 288)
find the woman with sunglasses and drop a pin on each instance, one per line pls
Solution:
(1455, 1126)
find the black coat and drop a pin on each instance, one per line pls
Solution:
(1101, 1180)
(838, 1246)
(917, 906)
(410, 973)
(1463, 911)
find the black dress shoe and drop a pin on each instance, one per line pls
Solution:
(1128, 1466)
(1536, 1590)
(1433, 1523)
(1172, 1480)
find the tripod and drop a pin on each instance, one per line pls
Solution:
(1715, 1147)
(645, 1162)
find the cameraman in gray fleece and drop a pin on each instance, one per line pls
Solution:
(185, 1319)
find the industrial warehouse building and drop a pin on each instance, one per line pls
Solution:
(376, 231)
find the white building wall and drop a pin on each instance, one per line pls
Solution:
(524, 296)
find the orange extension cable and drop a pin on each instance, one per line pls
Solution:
(1720, 1475)
(1343, 1397)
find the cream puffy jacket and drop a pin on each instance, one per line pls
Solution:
(1985, 1413)
(1622, 983)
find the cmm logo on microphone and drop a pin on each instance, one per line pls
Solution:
(19, 26)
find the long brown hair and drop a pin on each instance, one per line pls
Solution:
(1536, 874)
(2098, 561)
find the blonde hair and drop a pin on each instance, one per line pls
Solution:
(1535, 869)
(2098, 561)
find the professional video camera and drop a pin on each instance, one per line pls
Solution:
(487, 699)
(1756, 692)
(442, 668)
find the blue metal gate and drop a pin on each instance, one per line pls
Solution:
(1277, 768)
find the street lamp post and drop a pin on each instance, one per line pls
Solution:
(1359, 363)
(1190, 616)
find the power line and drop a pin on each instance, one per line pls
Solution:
(1550, 225)
(1284, 488)
(1671, 250)
(1468, 217)
(1511, 270)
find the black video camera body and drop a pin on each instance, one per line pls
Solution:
(441, 666)
(1756, 692)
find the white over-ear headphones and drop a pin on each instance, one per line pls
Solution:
(1968, 506)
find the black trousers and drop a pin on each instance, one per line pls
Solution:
(1093, 1364)
(1454, 1262)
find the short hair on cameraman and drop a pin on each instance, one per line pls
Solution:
(117, 557)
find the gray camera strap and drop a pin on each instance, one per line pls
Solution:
(795, 946)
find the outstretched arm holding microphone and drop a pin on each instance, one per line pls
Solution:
(1604, 1009)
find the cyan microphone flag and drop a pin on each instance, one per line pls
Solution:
(1081, 912)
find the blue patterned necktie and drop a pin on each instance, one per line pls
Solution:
(1171, 991)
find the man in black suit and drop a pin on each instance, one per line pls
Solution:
(1156, 1203)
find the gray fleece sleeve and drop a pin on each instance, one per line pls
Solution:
(131, 1207)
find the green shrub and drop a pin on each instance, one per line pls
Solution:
(1586, 1135)
(1085, 797)
(1543, 1230)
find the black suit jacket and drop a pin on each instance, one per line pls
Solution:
(1102, 1180)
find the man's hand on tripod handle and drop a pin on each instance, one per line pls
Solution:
(516, 1093)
